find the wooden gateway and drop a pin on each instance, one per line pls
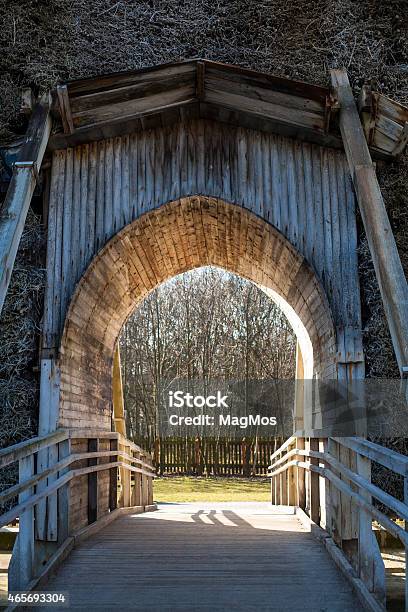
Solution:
(155, 172)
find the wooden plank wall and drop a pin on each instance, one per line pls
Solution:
(304, 190)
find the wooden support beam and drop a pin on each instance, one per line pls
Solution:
(13, 211)
(117, 395)
(384, 253)
(65, 109)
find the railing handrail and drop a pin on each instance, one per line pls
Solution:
(64, 463)
(13, 453)
(284, 446)
(22, 450)
(33, 500)
(386, 457)
(380, 454)
(370, 450)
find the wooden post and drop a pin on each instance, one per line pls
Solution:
(93, 445)
(333, 525)
(273, 502)
(143, 490)
(245, 453)
(383, 249)
(117, 395)
(46, 510)
(198, 457)
(13, 211)
(299, 422)
(137, 493)
(64, 450)
(113, 479)
(292, 486)
(371, 565)
(157, 455)
(406, 548)
(126, 481)
(26, 531)
(314, 485)
(300, 472)
(283, 487)
(149, 484)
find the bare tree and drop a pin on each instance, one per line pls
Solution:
(205, 324)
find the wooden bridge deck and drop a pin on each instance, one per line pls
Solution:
(204, 557)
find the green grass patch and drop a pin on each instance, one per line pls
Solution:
(195, 489)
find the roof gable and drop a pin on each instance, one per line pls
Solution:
(115, 104)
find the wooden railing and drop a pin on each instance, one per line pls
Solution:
(330, 479)
(68, 481)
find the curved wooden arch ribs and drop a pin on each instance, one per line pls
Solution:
(184, 234)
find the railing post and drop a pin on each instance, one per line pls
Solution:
(300, 475)
(278, 485)
(149, 480)
(64, 450)
(22, 565)
(93, 446)
(314, 485)
(334, 516)
(113, 479)
(137, 493)
(283, 485)
(126, 482)
(370, 563)
(406, 547)
(142, 485)
(292, 484)
(273, 486)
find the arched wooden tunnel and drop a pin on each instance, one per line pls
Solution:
(280, 212)
(179, 236)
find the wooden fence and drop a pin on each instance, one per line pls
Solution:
(217, 457)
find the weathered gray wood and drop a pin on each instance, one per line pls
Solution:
(406, 547)
(371, 564)
(46, 510)
(28, 447)
(26, 524)
(383, 249)
(314, 485)
(93, 446)
(384, 456)
(14, 209)
(64, 449)
(203, 157)
(204, 551)
(65, 109)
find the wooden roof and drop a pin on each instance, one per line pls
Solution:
(115, 104)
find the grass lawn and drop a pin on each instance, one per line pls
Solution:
(195, 489)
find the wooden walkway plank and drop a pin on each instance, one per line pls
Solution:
(205, 557)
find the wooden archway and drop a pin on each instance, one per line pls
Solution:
(179, 236)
